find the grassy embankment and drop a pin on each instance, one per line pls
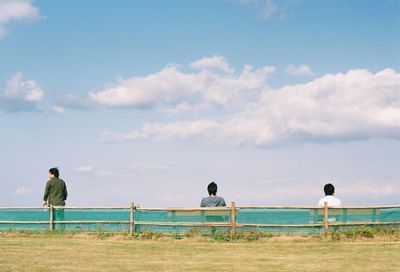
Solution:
(116, 252)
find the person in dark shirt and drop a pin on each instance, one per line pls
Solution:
(212, 200)
(55, 193)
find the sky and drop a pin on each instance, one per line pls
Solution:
(149, 101)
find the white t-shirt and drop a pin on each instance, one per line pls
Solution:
(332, 201)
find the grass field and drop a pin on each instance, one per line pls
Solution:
(33, 253)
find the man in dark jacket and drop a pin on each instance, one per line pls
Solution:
(55, 193)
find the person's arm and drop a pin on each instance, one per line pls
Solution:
(65, 192)
(202, 203)
(46, 194)
(223, 202)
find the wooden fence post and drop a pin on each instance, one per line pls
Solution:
(51, 219)
(233, 220)
(326, 225)
(131, 220)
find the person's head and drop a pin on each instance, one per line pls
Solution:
(53, 172)
(329, 189)
(212, 188)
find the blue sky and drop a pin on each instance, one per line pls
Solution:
(149, 101)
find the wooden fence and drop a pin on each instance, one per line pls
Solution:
(230, 211)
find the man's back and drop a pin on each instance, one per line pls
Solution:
(56, 192)
(332, 201)
(212, 201)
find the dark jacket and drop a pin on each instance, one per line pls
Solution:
(56, 192)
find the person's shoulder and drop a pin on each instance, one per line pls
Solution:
(221, 200)
(204, 202)
(338, 201)
(321, 201)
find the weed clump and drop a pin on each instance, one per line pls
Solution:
(149, 235)
(252, 235)
(366, 232)
(194, 233)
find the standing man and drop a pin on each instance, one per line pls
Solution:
(55, 193)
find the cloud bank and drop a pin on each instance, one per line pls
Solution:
(14, 11)
(209, 81)
(347, 106)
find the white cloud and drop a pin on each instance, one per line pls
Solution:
(186, 107)
(267, 9)
(58, 109)
(212, 63)
(85, 169)
(145, 167)
(169, 85)
(91, 170)
(23, 191)
(302, 70)
(107, 174)
(356, 104)
(213, 83)
(173, 198)
(161, 132)
(26, 90)
(370, 188)
(20, 95)
(335, 107)
(16, 10)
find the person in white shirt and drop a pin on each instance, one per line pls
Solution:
(329, 190)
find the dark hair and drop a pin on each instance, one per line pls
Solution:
(329, 189)
(212, 188)
(54, 172)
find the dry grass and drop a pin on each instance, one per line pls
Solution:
(86, 252)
